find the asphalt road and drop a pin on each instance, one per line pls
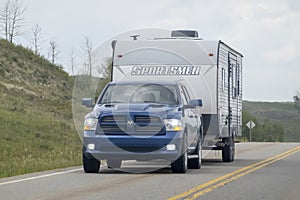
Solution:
(260, 171)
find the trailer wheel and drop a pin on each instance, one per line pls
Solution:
(228, 150)
(181, 164)
(114, 163)
(90, 165)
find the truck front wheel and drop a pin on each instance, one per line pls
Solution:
(181, 164)
(195, 163)
(90, 165)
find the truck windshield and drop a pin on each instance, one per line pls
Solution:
(140, 93)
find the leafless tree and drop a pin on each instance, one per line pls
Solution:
(72, 62)
(53, 51)
(11, 19)
(106, 68)
(36, 38)
(87, 49)
(4, 17)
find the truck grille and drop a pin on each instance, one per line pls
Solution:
(130, 125)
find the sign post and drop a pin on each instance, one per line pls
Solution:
(250, 125)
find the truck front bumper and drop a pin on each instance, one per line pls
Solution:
(125, 147)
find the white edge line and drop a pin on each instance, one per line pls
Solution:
(41, 176)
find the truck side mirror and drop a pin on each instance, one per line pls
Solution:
(195, 103)
(88, 102)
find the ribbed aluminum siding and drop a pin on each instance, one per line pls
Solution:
(226, 55)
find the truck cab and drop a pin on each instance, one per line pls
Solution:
(143, 120)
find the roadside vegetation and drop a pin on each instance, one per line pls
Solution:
(275, 121)
(37, 126)
(264, 131)
(37, 131)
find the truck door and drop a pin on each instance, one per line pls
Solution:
(190, 117)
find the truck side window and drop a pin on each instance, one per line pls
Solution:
(186, 93)
(185, 97)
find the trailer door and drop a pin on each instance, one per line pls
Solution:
(232, 94)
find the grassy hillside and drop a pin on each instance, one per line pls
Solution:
(280, 112)
(37, 131)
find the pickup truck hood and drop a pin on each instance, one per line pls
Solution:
(163, 110)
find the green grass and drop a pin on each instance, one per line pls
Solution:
(34, 143)
(33, 139)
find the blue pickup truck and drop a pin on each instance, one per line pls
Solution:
(143, 121)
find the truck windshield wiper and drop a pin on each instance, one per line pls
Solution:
(162, 103)
(153, 103)
(110, 102)
(150, 102)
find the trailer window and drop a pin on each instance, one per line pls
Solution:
(234, 80)
(238, 78)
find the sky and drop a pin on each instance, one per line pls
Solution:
(266, 32)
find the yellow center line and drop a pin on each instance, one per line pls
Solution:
(220, 181)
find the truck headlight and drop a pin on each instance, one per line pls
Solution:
(90, 124)
(173, 124)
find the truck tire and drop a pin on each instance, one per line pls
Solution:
(90, 165)
(181, 164)
(228, 150)
(114, 163)
(196, 163)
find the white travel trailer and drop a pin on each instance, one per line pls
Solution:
(211, 70)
